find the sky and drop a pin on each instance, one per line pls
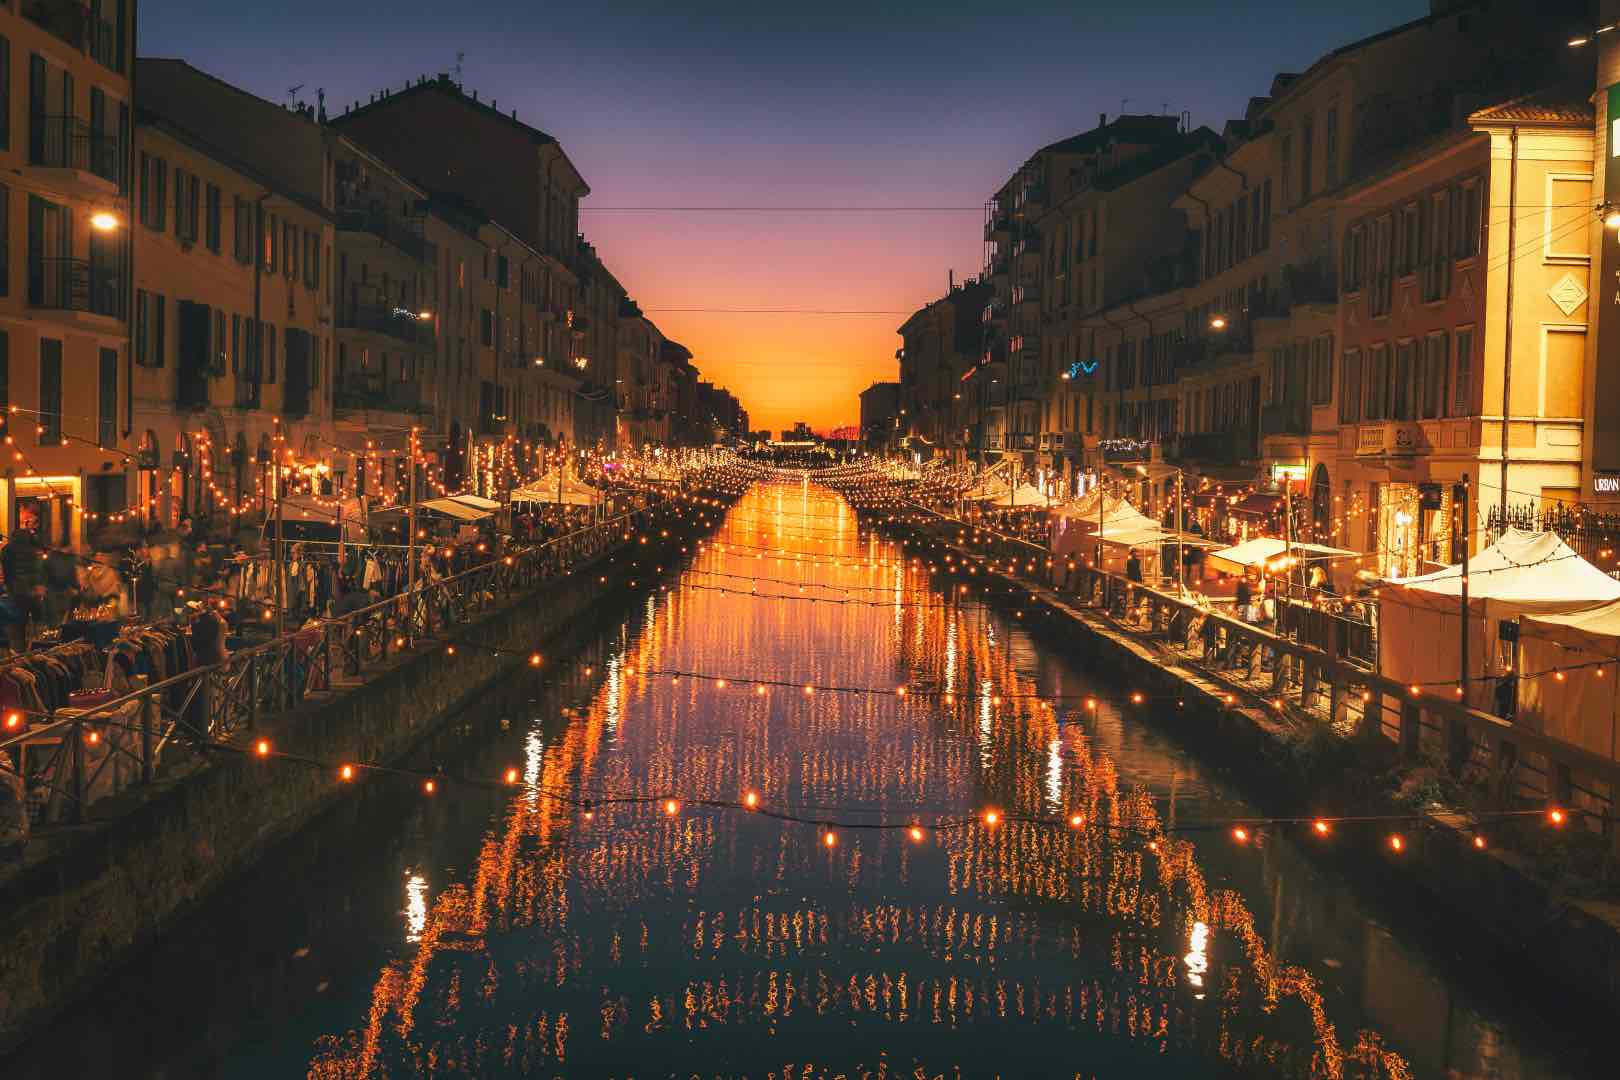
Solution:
(916, 113)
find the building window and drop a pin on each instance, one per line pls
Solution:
(142, 327)
(242, 230)
(1400, 382)
(5, 240)
(159, 331)
(185, 206)
(1350, 388)
(5, 94)
(1287, 170)
(1434, 376)
(1330, 148)
(1462, 397)
(1307, 133)
(1322, 370)
(154, 192)
(107, 413)
(312, 260)
(486, 326)
(1377, 380)
(236, 344)
(213, 218)
(50, 391)
(220, 359)
(289, 251)
(1381, 266)
(269, 353)
(267, 242)
(1467, 209)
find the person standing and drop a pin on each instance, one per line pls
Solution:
(23, 563)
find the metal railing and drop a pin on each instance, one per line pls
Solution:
(66, 142)
(64, 284)
(404, 235)
(153, 728)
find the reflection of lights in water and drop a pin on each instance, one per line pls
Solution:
(950, 656)
(416, 907)
(984, 721)
(612, 697)
(1197, 960)
(534, 749)
(1054, 772)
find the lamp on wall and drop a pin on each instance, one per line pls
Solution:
(104, 221)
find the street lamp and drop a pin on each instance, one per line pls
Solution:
(104, 221)
(1217, 322)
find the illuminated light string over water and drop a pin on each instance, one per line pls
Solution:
(415, 1006)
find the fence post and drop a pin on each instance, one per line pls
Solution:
(146, 741)
(78, 770)
(1411, 729)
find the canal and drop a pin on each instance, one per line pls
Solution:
(577, 923)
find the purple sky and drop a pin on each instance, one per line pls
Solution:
(838, 104)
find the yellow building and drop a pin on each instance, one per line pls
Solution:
(65, 286)
(1466, 279)
(232, 320)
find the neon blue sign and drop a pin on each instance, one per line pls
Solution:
(1082, 367)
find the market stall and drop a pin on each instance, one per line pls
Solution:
(1522, 574)
(1573, 661)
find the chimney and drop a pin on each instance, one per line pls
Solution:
(1102, 119)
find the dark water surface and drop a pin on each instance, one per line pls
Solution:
(493, 933)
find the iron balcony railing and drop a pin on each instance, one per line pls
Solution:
(400, 234)
(66, 142)
(64, 284)
(177, 723)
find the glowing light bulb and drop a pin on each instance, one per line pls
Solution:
(262, 748)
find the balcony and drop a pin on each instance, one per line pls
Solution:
(1021, 440)
(404, 235)
(1389, 438)
(1026, 294)
(371, 392)
(396, 323)
(994, 311)
(998, 228)
(76, 24)
(63, 284)
(1231, 447)
(66, 142)
(1125, 451)
(1285, 418)
(998, 265)
(1310, 283)
(1032, 198)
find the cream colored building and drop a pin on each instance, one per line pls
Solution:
(65, 288)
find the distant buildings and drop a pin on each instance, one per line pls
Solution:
(212, 291)
(880, 416)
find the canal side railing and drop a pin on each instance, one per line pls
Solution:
(1323, 683)
(134, 736)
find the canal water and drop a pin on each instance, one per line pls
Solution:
(523, 931)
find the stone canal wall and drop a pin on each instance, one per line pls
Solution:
(114, 884)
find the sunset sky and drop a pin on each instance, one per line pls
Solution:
(835, 104)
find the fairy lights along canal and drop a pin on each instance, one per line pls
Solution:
(802, 812)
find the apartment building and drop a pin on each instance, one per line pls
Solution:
(386, 289)
(641, 419)
(66, 123)
(943, 342)
(232, 323)
(1117, 254)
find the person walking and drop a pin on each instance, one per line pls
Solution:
(23, 564)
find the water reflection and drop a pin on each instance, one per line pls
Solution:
(541, 939)
(707, 938)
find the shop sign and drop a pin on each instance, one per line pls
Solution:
(1290, 473)
(1606, 485)
(1429, 497)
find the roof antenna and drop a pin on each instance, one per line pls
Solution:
(460, 56)
(292, 93)
(1122, 102)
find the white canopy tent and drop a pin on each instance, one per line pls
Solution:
(1582, 706)
(1024, 496)
(454, 508)
(477, 502)
(547, 489)
(322, 517)
(1264, 549)
(1522, 574)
